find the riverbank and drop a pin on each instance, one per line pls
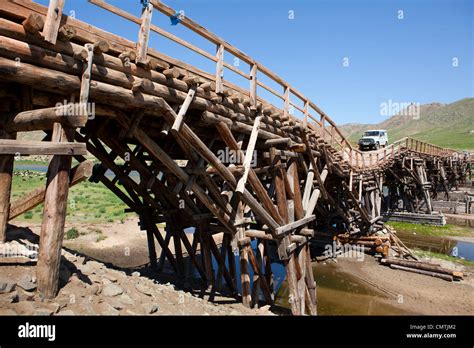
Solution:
(395, 292)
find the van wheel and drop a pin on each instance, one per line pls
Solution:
(377, 146)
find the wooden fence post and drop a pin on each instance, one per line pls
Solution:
(53, 20)
(220, 69)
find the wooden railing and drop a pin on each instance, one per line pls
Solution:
(321, 124)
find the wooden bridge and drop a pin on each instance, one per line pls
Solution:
(210, 154)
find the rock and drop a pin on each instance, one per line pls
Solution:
(4, 312)
(116, 304)
(24, 307)
(26, 283)
(143, 289)
(13, 297)
(43, 312)
(264, 308)
(95, 278)
(94, 289)
(112, 290)
(67, 312)
(135, 274)
(234, 312)
(95, 265)
(106, 309)
(125, 299)
(6, 286)
(105, 281)
(110, 277)
(129, 312)
(150, 308)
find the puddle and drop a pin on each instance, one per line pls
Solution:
(460, 221)
(440, 245)
(340, 293)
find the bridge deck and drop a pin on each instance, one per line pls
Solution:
(210, 154)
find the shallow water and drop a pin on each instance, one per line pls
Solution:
(340, 293)
(440, 245)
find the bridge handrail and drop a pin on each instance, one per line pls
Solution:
(329, 128)
(325, 125)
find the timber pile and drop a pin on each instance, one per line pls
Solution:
(372, 244)
(209, 154)
(424, 268)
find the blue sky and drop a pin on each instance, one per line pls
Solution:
(402, 60)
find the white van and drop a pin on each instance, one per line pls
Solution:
(373, 139)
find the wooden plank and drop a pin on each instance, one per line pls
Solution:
(249, 154)
(144, 34)
(294, 225)
(53, 20)
(25, 148)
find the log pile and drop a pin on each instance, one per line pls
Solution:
(425, 268)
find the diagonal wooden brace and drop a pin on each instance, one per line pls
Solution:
(249, 155)
(178, 122)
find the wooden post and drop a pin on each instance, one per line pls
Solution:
(286, 108)
(6, 173)
(53, 20)
(144, 35)
(253, 87)
(220, 69)
(54, 217)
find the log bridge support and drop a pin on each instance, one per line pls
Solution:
(252, 183)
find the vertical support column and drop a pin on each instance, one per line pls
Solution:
(146, 219)
(53, 20)
(144, 35)
(244, 259)
(253, 87)
(54, 217)
(6, 173)
(206, 251)
(286, 108)
(220, 69)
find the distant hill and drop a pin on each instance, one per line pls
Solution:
(447, 125)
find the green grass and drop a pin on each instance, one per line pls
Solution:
(72, 234)
(430, 254)
(87, 202)
(428, 230)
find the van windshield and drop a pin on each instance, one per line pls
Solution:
(371, 134)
